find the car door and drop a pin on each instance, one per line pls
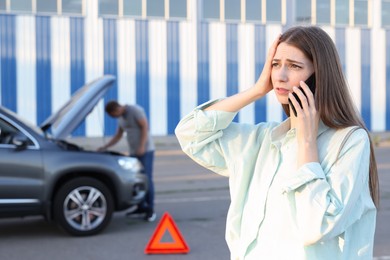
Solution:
(21, 172)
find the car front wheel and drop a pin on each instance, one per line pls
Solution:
(83, 206)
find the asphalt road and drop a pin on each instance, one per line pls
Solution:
(196, 199)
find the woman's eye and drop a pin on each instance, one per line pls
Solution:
(295, 66)
(275, 64)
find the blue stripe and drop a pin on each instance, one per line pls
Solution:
(173, 77)
(110, 67)
(142, 65)
(43, 68)
(340, 45)
(260, 56)
(366, 76)
(77, 65)
(388, 80)
(203, 63)
(8, 61)
(232, 62)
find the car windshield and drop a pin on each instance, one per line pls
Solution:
(33, 127)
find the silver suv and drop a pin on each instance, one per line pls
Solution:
(42, 174)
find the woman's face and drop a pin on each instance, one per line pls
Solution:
(289, 67)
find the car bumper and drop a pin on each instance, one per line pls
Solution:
(133, 192)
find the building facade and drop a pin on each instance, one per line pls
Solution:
(171, 55)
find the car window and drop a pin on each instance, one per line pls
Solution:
(18, 118)
(8, 131)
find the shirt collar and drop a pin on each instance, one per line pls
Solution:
(280, 130)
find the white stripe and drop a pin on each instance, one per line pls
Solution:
(274, 108)
(217, 52)
(330, 31)
(378, 71)
(189, 61)
(246, 67)
(353, 63)
(26, 68)
(199, 199)
(60, 61)
(93, 43)
(158, 80)
(94, 63)
(126, 62)
(188, 67)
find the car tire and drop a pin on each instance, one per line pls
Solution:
(83, 206)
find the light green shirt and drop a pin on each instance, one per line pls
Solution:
(279, 211)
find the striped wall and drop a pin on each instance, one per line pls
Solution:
(166, 67)
(45, 92)
(387, 81)
(8, 61)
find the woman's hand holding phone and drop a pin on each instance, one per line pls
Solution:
(302, 98)
(311, 83)
(306, 123)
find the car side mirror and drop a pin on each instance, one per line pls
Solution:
(20, 141)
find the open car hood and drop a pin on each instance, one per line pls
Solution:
(69, 116)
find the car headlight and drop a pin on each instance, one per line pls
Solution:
(129, 163)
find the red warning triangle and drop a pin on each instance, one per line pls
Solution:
(178, 246)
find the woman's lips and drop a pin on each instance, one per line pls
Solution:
(282, 91)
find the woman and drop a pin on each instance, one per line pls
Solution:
(305, 188)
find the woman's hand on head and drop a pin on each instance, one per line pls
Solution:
(264, 83)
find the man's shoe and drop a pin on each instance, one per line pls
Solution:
(150, 216)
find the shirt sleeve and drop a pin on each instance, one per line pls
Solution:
(325, 205)
(212, 140)
(138, 112)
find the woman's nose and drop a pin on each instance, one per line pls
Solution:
(281, 75)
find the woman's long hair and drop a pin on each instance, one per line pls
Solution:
(332, 97)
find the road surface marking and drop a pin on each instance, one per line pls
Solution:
(199, 199)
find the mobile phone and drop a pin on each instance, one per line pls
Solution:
(311, 83)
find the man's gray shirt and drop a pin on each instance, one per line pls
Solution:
(129, 123)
